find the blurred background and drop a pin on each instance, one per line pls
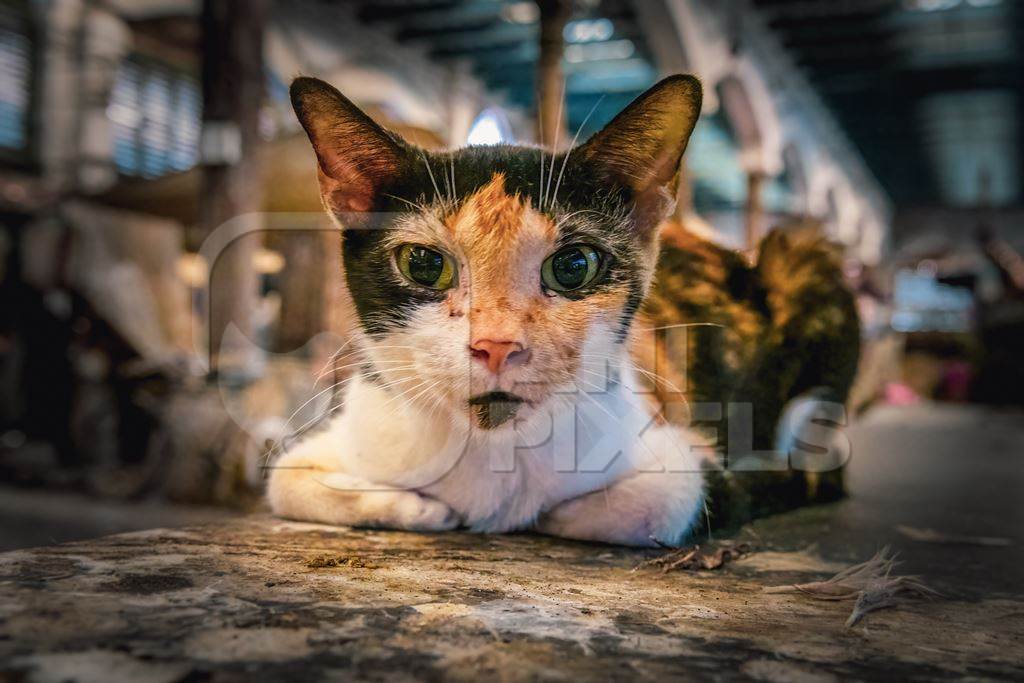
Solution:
(131, 130)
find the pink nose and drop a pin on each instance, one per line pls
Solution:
(497, 355)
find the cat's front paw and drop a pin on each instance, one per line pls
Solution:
(582, 520)
(417, 512)
(647, 509)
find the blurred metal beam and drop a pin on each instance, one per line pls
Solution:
(498, 63)
(867, 32)
(551, 114)
(753, 211)
(389, 10)
(482, 35)
(233, 78)
(451, 19)
(473, 39)
(824, 9)
(662, 35)
(835, 78)
(639, 77)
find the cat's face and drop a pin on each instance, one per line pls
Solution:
(489, 279)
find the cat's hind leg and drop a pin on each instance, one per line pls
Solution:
(307, 483)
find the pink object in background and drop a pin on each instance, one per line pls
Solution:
(957, 380)
(899, 394)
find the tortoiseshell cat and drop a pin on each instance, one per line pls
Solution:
(498, 291)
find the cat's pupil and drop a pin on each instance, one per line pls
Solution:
(570, 268)
(425, 265)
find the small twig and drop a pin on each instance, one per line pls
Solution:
(693, 558)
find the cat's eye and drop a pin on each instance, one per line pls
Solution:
(570, 268)
(425, 267)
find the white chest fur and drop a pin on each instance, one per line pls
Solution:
(502, 479)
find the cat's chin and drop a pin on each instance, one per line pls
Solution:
(495, 409)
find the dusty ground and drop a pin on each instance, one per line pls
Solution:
(296, 601)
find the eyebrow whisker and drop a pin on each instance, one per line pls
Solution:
(573, 143)
(437, 192)
(554, 144)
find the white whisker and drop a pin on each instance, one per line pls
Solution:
(430, 172)
(455, 192)
(576, 137)
(357, 364)
(563, 219)
(679, 325)
(418, 207)
(554, 145)
(540, 139)
(323, 391)
(332, 359)
(653, 376)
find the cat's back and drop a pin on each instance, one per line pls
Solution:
(698, 324)
(713, 322)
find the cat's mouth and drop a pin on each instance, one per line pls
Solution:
(495, 408)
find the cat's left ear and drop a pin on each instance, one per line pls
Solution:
(642, 147)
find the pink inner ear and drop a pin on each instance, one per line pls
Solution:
(359, 204)
(355, 156)
(349, 192)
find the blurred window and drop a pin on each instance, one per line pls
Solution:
(778, 195)
(971, 137)
(525, 12)
(15, 79)
(942, 5)
(955, 32)
(592, 52)
(923, 304)
(588, 30)
(490, 128)
(155, 114)
(719, 182)
(795, 176)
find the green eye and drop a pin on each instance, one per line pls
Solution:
(570, 268)
(425, 267)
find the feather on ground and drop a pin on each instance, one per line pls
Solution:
(872, 584)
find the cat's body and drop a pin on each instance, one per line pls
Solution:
(767, 334)
(497, 291)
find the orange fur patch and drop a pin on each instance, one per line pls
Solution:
(506, 241)
(494, 220)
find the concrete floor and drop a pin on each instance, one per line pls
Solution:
(235, 598)
(954, 469)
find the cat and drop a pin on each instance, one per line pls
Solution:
(502, 295)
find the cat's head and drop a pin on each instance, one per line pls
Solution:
(486, 279)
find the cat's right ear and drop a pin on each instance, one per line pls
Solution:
(356, 157)
(641, 148)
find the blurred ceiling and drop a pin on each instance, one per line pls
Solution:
(607, 60)
(930, 91)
